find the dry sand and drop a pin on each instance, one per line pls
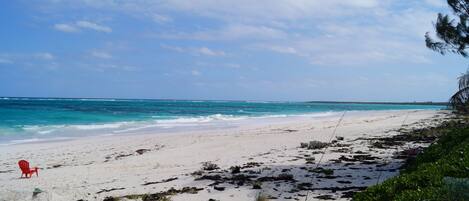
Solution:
(93, 168)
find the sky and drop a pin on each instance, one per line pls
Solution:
(281, 50)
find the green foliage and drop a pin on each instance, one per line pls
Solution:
(453, 35)
(432, 176)
(313, 145)
(209, 166)
(327, 172)
(261, 197)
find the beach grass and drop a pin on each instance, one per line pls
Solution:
(441, 172)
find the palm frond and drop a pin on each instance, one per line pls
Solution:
(460, 101)
(464, 80)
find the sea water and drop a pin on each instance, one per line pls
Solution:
(38, 119)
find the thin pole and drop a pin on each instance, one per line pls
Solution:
(325, 148)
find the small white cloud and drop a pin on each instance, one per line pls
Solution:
(72, 28)
(436, 3)
(231, 65)
(44, 56)
(173, 48)
(209, 52)
(94, 26)
(284, 50)
(104, 67)
(195, 50)
(230, 32)
(66, 28)
(101, 54)
(195, 73)
(5, 61)
(161, 18)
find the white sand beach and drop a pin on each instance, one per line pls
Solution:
(93, 168)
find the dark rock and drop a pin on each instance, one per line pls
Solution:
(141, 151)
(219, 188)
(162, 181)
(325, 197)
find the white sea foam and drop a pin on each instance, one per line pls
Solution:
(98, 126)
(38, 133)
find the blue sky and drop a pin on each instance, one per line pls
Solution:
(355, 50)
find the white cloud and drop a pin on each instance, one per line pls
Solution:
(44, 56)
(333, 32)
(101, 54)
(77, 26)
(65, 28)
(5, 61)
(436, 3)
(195, 73)
(281, 49)
(108, 66)
(195, 50)
(233, 65)
(230, 32)
(161, 18)
(209, 52)
(93, 26)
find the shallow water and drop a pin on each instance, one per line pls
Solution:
(36, 119)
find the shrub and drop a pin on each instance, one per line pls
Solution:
(209, 166)
(262, 198)
(235, 169)
(314, 145)
(440, 172)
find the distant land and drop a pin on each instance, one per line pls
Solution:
(169, 99)
(389, 103)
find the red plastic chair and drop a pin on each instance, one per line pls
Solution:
(24, 166)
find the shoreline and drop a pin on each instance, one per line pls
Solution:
(212, 125)
(84, 163)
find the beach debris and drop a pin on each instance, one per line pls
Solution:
(219, 188)
(110, 198)
(348, 194)
(235, 169)
(251, 165)
(197, 173)
(55, 166)
(313, 145)
(36, 191)
(158, 182)
(257, 185)
(342, 150)
(359, 157)
(339, 138)
(122, 156)
(210, 177)
(324, 171)
(142, 151)
(209, 166)
(325, 197)
(6, 171)
(109, 190)
(280, 177)
(344, 182)
(161, 196)
(262, 197)
(310, 160)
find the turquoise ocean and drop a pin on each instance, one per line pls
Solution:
(39, 119)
